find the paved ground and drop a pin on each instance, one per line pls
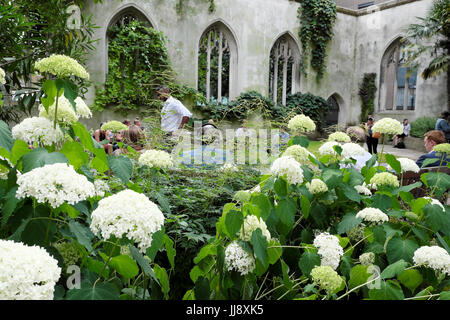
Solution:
(404, 153)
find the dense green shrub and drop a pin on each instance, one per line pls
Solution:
(192, 199)
(367, 91)
(421, 125)
(310, 105)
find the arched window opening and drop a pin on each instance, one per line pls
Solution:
(283, 73)
(215, 63)
(398, 82)
(332, 116)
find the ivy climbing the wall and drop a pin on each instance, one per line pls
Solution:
(180, 7)
(138, 63)
(367, 92)
(317, 18)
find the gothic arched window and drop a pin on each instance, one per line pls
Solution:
(217, 58)
(397, 81)
(284, 76)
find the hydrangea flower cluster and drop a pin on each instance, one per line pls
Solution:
(138, 220)
(363, 190)
(26, 272)
(114, 126)
(352, 150)
(156, 158)
(434, 202)
(367, 258)
(54, 183)
(61, 66)
(297, 152)
(442, 148)
(301, 123)
(317, 186)
(408, 165)
(83, 110)
(238, 259)
(229, 167)
(65, 112)
(101, 187)
(326, 278)
(69, 253)
(2, 76)
(329, 249)
(385, 179)
(250, 224)
(327, 148)
(339, 137)
(37, 129)
(289, 168)
(388, 126)
(372, 215)
(433, 257)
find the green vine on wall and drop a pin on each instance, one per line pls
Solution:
(180, 7)
(367, 91)
(317, 18)
(138, 63)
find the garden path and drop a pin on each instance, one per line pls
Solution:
(404, 153)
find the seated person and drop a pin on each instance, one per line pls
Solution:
(432, 138)
(406, 129)
(100, 135)
(133, 137)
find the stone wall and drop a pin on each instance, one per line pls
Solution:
(360, 39)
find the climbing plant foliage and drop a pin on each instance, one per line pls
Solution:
(367, 91)
(317, 18)
(138, 63)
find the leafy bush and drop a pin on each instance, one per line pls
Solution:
(422, 125)
(310, 105)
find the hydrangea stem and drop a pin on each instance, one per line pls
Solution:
(56, 110)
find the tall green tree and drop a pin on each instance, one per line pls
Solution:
(431, 37)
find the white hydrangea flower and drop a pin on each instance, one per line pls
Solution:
(37, 129)
(250, 224)
(65, 112)
(339, 137)
(363, 190)
(367, 258)
(128, 213)
(327, 148)
(26, 272)
(54, 183)
(114, 126)
(388, 126)
(317, 186)
(83, 110)
(433, 257)
(238, 259)
(433, 201)
(101, 187)
(2, 76)
(352, 149)
(442, 148)
(256, 189)
(385, 178)
(229, 167)
(408, 165)
(61, 66)
(326, 278)
(372, 215)
(299, 153)
(301, 123)
(330, 250)
(289, 168)
(156, 158)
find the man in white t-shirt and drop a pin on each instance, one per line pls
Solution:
(174, 115)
